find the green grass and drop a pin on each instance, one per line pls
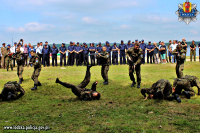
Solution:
(120, 109)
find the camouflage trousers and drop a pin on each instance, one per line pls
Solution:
(192, 53)
(9, 62)
(138, 74)
(104, 72)
(165, 88)
(184, 84)
(35, 75)
(19, 71)
(81, 87)
(179, 69)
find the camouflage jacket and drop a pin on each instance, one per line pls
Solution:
(19, 58)
(159, 85)
(136, 55)
(86, 94)
(180, 56)
(104, 58)
(14, 88)
(190, 79)
(8, 55)
(35, 61)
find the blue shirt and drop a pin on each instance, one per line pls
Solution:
(143, 46)
(113, 47)
(70, 48)
(82, 49)
(99, 49)
(108, 48)
(85, 50)
(155, 50)
(45, 51)
(122, 47)
(54, 50)
(129, 46)
(29, 51)
(92, 49)
(77, 48)
(150, 47)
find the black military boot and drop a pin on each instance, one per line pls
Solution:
(39, 84)
(34, 88)
(176, 96)
(7, 69)
(159, 95)
(138, 86)
(57, 80)
(106, 82)
(9, 96)
(20, 81)
(133, 84)
(187, 94)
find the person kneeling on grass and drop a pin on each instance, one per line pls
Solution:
(161, 90)
(80, 90)
(10, 91)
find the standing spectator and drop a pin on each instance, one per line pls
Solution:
(40, 54)
(108, 49)
(29, 54)
(128, 46)
(70, 54)
(122, 48)
(74, 54)
(160, 51)
(21, 48)
(81, 54)
(143, 46)
(133, 44)
(136, 41)
(199, 51)
(163, 52)
(193, 50)
(49, 50)
(45, 52)
(78, 51)
(172, 48)
(92, 50)
(54, 52)
(155, 51)
(149, 52)
(38, 49)
(26, 54)
(13, 50)
(99, 50)
(115, 54)
(85, 54)
(169, 53)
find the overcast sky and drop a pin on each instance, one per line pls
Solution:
(58, 21)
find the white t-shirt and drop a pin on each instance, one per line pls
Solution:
(13, 49)
(22, 50)
(173, 46)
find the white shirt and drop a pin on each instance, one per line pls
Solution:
(173, 46)
(22, 50)
(13, 49)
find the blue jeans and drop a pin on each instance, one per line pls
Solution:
(173, 58)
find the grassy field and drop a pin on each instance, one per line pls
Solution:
(120, 109)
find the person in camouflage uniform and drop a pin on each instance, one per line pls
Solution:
(80, 90)
(180, 57)
(20, 63)
(161, 90)
(35, 60)
(135, 55)
(186, 83)
(104, 57)
(8, 59)
(10, 91)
